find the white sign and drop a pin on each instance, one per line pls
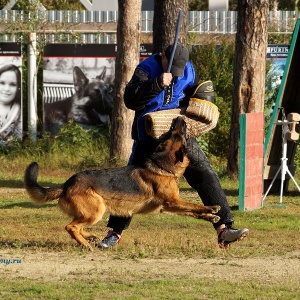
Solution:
(218, 5)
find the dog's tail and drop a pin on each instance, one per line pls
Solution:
(38, 193)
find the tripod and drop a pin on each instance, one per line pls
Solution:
(284, 167)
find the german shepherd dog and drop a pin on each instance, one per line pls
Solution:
(126, 190)
(90, 105)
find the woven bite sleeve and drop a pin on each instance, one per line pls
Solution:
(201, 116)
(159, 122)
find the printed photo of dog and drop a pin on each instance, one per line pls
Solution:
(124, 191)
(89, 101)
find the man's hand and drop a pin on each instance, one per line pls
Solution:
(166, 79)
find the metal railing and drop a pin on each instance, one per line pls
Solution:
(105, 23)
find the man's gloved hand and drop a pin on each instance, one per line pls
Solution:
(205, 91)
(201, 114)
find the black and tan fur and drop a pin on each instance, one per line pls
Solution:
(124, 191)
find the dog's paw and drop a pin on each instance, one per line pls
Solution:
(208, 217)
(215, 209)
(214, 219)
(93, 239)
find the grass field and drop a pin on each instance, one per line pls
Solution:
(161, 256)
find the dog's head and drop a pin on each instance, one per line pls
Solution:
(175, 136)
(172, 149)
(95, 97)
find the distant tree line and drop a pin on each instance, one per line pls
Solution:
(48, 4)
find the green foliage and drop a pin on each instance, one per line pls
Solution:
(73, 148)
(278, 38)
(233, 4)
(215, 62)
(31, 5)
(73, 135)
(195, 5)
(63, 4)
(286, 4)
(297, 158)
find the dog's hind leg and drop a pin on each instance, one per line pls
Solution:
(75, 228)
(86, 208)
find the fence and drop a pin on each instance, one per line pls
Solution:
(57, 92)
(101, 26)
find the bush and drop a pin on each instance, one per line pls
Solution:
(73, 148)
(215, 62)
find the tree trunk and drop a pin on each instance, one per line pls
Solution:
(249, 69)
(165, 21)
(128, 54)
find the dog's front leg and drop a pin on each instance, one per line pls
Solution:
(181, 207)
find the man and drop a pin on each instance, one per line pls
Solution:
(151, 89)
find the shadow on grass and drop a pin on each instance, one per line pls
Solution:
(17, 244)
(294, 193)
(20, 183)
(234, 207)
(27, 205)
(11, 183)
(232, 193)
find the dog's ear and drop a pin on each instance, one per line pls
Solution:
(180, 154)
(79, 79)
(102, 75)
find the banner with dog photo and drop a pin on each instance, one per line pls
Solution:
(79, 84)
(10, 92)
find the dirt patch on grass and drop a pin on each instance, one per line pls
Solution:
(101, 264)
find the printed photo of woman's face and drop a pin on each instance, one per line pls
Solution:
(11, 119)
(8, 87)
(10, 103)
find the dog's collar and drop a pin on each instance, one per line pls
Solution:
(155, 168)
